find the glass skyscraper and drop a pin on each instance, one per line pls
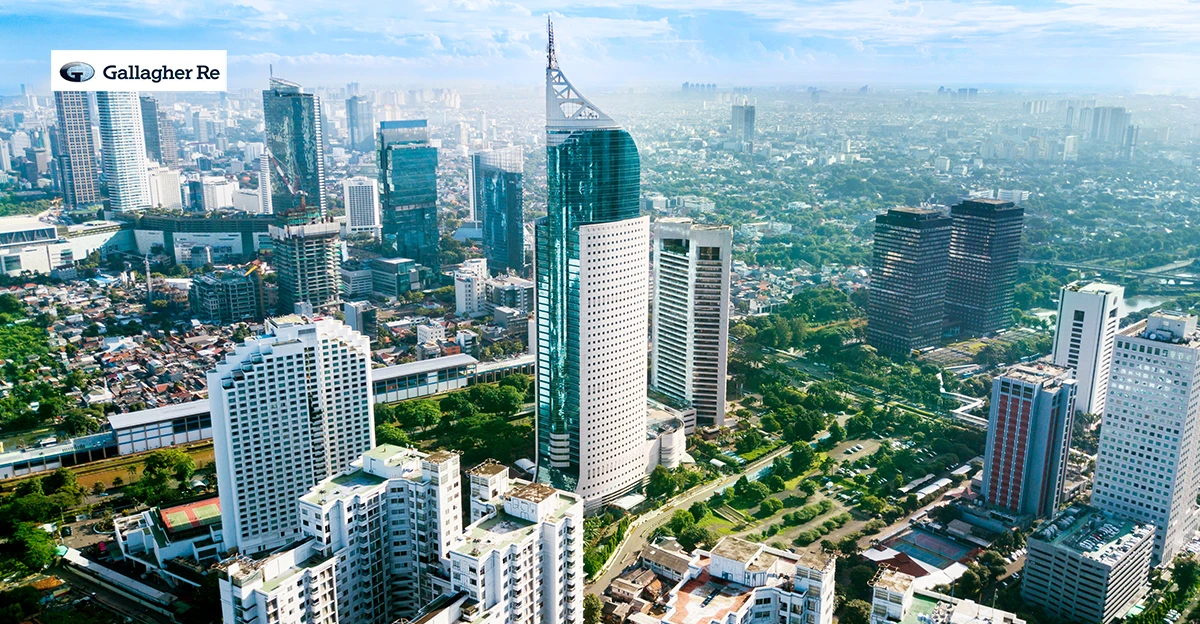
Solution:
(497, 182)
(304, 239)
(408, 191)
(592, 301)
(360, 120)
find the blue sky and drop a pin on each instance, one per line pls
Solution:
(1143, 45)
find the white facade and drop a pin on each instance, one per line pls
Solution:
(218, 192)
(361, 195)
(690, 325)
(524, 562)
(470, 288)
(357, 282)
(163, 185)
(1088, 319)
(1146, 466)
(288, 410)
(613, 333)
(123, 149)
(385, 538)
(264, 185)
(248, 201)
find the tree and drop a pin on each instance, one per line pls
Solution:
(756, 492)
(593, 609)
(662, 483)
(801, 458)
(782, 466)
(168, 462)
(421, 414)
(36, 547)
(694, 536)
(770, 506)
(699, 510)
(836, 433)
(856, 611)
(681, 520)
(520, 381)
(387, 433)
(774, 483)
(969, 584)
(61, 480)
(98, 488)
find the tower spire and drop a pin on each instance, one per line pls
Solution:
(551, 59)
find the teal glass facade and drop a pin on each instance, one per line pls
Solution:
(408, 191)
(295, 149)
(593, 176)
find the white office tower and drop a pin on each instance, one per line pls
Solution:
(164, 188)
(289, 409)
(524, 562)
(264, 186)
(470, 288)
(372, 547)
(361, 195)
(217, 192)
(1088, 318)
(1146, 469)
(123, 149)
(690, 327)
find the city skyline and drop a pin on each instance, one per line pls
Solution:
(1064, 43)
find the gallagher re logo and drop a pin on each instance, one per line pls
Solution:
(77, 72)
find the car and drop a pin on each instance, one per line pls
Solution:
(66, 531)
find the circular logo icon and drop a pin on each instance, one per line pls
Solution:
(77, 72)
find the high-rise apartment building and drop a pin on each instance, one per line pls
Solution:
(690, 323)
(592, 263)
(159, 133)
(1146, 466)
(470, 288)
(1088, 318)
(289, 409)
(907, 297)
(226, 298)
(985, 245)
(123, 150)
(497, 180)
(360, 121)
(408, 191)
(1029, 439)
(361, 195)
(76, 150)
(305, 241)
(1086, 566)
(384, 540)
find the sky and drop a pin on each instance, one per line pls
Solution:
(1050, 45)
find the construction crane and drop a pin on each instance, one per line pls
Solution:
(149, 284)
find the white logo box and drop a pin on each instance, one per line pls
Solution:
(138, 70)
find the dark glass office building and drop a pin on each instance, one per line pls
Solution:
(159, 133)
(985, 245)
(908, 280)
(408, 191)
(304, 239)
(360, 120)
(497, 183)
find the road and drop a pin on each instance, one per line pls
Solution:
(109, 599)
(636, 539)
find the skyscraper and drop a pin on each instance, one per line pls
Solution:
(408, 191)
(470, 288)
(289, 409)
(497, 180)
(742, 123)
(123, 150)
(304, 239)
(1146, 465)
(1088, 318)
(361, 195)
(908, 280)
(1028, 439)
(592, 262)
(985, 245)
(360, 119)
(76, 151)
(159, 148)
(690, 324)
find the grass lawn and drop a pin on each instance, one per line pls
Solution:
(716, 524)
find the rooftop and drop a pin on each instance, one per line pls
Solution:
(501, 530)
(704, 599)
(191, 515)
(892, 580)
(1093, 533)
(488, 468)
(422, 366)
(1039, 374)
(438, 457)
(158, 414)
(342, 486)
(736, 549)
(535, 492)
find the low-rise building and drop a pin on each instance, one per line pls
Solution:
(175, 543)
(894, 598)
